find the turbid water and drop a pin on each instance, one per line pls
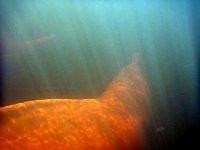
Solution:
(73, 49)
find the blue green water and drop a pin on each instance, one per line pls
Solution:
(92, 41)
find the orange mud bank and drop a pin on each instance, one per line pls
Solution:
(113, 121)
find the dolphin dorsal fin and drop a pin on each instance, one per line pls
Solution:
(129, 87)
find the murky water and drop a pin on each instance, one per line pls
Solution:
(73, 49)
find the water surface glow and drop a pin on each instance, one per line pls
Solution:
(92, 41)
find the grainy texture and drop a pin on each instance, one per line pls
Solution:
(114, 121)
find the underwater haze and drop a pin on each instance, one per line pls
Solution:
(73, 49)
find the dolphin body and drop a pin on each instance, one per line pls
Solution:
(113, 121)
(14, 47)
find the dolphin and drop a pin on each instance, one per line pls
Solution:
(113, 121)
(12, 46)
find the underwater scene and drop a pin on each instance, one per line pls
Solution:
(99, 74)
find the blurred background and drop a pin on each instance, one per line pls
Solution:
(73, 49)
